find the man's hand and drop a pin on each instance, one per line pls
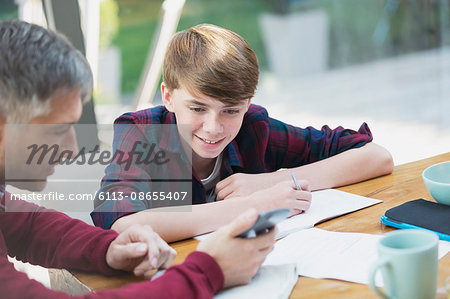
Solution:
(238, 258)
(139, 249)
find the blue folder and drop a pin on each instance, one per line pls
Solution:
(420, 214)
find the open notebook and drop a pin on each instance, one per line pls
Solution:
(325, 204)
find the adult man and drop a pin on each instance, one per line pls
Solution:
(43, 80)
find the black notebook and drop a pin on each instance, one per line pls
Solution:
(420, 213)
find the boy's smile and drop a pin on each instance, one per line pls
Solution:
(210, 144)
(214, 123)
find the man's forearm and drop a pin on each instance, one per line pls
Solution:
(173, 225)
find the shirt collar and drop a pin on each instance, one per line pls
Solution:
(234, 159)
(170, 139)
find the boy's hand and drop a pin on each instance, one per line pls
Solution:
(139, 249)
(238, 258)
(284, 195)
(260, 187)
(242, 184)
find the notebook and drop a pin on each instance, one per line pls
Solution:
(325, 204)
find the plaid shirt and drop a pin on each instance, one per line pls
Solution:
(262, 145)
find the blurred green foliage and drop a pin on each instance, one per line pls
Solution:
(138, 21)
(353, 26)
(109, 18)
(8, 10)
(411, 26)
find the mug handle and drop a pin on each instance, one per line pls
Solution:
(379, 264)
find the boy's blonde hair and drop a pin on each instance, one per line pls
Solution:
(212, 61)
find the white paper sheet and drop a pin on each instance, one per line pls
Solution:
(325, 204)
(271, 282)
(324, 254)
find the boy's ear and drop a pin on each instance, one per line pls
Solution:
(166, 97)
(249, 101)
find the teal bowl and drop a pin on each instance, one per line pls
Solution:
(437, 180)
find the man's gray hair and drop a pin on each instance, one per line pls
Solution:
(34, 64)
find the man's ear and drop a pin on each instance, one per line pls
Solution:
(167, 97)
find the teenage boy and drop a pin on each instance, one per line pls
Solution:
(43, 82)
(209, 77)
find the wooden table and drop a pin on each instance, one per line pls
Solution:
(404, 184)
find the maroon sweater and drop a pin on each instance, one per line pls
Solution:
(54, 240)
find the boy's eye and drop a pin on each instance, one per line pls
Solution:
(196, 109)
(232, 111)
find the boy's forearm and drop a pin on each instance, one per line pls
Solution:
(349, 167)
(173, 225)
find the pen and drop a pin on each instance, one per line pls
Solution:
(295, 182)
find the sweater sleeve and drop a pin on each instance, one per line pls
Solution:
(52, 239)
(198, 277)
